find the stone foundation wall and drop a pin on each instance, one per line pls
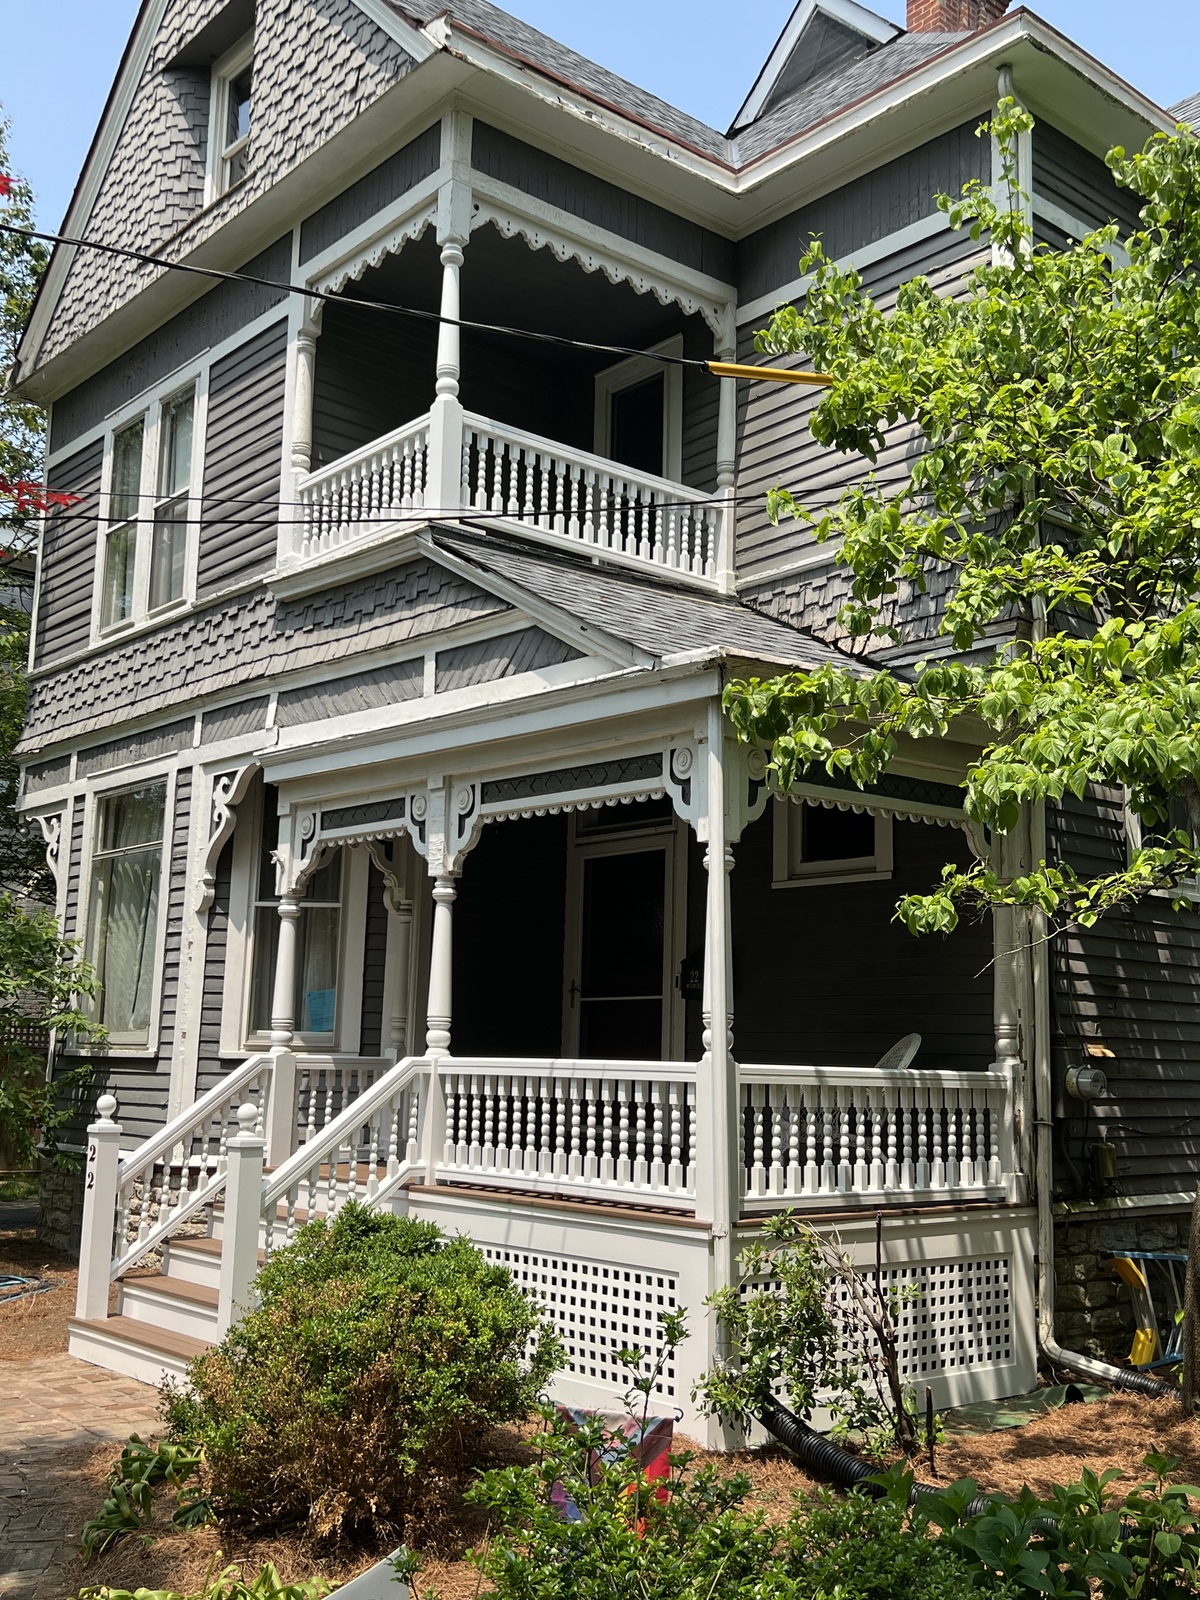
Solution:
(60, 1207)
(1093, 1312)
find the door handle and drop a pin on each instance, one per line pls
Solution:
(572, 992)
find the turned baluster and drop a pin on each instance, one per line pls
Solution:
(937, 1137)
(561, 1110)
(623, 1164)
(658, 1166)
(953, 1113)
(812, 1115)
(774, 1114)
(516, 1155)
(489, 1122)
(828, 1141)
(862, 1174)
(921, 1116)
(891, 1177)
(575, 1160)
(845, 1175)
(503, 1089)
(546, 1136)
(795, 1176)
(756, 1168)
(607, 1153)
(641, 1166)
(691, 1138)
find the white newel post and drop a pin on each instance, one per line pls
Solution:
(726, 477)
(243, 1206)
(99, 1211)
(281, 1111)
(443, 486)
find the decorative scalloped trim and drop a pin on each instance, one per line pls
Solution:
(374, 254)
(538, 237)
(887, 811)
(555, 807)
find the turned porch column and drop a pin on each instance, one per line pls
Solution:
(281, 1115)
(400, 920)
(718, 1158)
(439, 1012)
(302, 394)
(726, 476)
(443, 486)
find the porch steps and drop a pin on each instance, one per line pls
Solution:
(137, 1349)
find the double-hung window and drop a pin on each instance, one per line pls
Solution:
(318, 954)
(122, 933)
(232, 83)
(149, 506)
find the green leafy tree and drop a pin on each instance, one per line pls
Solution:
(1055, 495)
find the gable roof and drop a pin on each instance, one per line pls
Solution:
(1187, 110)
(660, 617)
(818, 38)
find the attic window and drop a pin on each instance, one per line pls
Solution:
(232, 84)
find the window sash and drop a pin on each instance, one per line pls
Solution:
(120, 554)
(316, 996)
(122, 942)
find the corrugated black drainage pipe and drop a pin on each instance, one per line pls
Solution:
(835, 1465)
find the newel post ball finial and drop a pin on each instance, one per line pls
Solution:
(106, 1107)
(247, 1115)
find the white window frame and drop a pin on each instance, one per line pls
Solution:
(789, 872)
(237, 1035)
(1189, 889)
(225, 70)
(150, 413)
(97, 792)
(628, 374)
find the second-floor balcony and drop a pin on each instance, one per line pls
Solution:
(513, 478)
(573, 438)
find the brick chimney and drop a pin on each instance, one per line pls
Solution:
(952, 16)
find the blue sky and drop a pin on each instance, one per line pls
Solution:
(60, 55)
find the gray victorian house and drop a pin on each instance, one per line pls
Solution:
(376, 730)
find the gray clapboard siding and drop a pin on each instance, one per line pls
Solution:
(71, 927)
(504, 657)
(242, 461)
(68, 559)
(215, 317)
(209, 1064)
(1132, 982)
(1078, 181)
(881, 202)
(372, 1021)
(227, 722)
(776, 447)
(581, 193)
(855, 980)
(373, 372)
(175, 889)
(357, 691)
(137, 747)
(379, 188)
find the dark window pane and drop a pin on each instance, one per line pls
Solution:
(636, 426)
(620, 1030)
(617, 819)
(623, 916)
(837, 835)
(238, 125)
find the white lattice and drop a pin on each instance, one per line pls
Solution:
(598, 1309)
(953, 1316)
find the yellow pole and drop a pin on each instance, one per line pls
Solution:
(734, 369)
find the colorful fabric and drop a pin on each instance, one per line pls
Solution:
(647, 1443)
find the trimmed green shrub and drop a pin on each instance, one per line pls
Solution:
(379, 1350)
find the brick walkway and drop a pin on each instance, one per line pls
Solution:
(54, 1412)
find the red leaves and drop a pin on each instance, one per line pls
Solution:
(29, 498)
(6, 185)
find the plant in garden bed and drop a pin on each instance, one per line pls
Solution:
(228, 1584)
(800, 1303)
(129, 1504)
(379, 1351)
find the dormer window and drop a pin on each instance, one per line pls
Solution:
(231, 97)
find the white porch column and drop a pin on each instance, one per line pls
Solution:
(302, 394)
(400, 921)
(439, 1012)
(281, 1110)
(443, 486)
(726, 476)
(718, 1159)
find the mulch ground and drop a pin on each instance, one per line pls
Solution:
(36, 1322)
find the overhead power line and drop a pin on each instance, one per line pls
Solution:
(718, 369)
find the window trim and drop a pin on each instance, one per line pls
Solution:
(626, 375)
(150, 412)
(103, 789)
(228, 67)
(1189, 889)
(237, 1036)
(787, 874)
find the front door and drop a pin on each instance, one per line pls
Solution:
(619, 1000)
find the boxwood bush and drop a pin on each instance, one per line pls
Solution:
(379, 1350)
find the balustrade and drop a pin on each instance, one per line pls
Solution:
(355, 496)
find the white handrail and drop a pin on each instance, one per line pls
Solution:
(193, 1116)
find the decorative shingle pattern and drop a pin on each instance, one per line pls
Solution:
(249, 639)
(318, 64)
(657, 617)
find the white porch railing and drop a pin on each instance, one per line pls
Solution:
(353, 497)
(854, 1135)
(587, 499)
(624, 1129)
(545, 488)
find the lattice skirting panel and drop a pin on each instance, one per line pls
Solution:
(967, 1323)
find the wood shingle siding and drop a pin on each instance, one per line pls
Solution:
(357, 691)
(581, 193)
(1079, 182)
(488, 659)
(227, 722)
(870, 208)
(137, 747)
(1132, 983)
(382, 185)
(215, 317)
(242, 462)
(68, 559)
